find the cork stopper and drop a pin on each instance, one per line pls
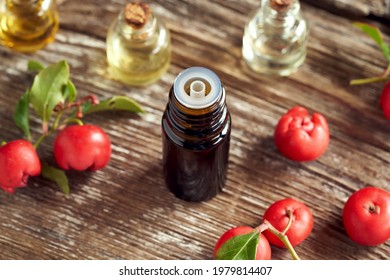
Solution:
(137, 14)
(281, 5)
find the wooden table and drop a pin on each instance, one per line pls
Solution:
(125, 210)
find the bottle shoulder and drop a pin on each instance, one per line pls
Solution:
(186, 137)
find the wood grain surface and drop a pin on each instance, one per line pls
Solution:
(378, 8)
(125, 210)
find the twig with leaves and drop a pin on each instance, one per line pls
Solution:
(376, 35)
(53, 96)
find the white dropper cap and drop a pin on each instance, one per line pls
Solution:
(197, 89)
(197, 97)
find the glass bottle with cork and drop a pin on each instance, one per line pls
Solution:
(196, 127)
(28, 25)
(275, 38)
(138, 46)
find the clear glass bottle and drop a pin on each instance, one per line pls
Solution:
(138, 46)
(28, 25)
(196, 127)
(275, 38)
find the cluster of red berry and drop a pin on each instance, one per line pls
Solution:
(287, 222)
(77, 147)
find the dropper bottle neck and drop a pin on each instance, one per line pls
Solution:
(196, 111)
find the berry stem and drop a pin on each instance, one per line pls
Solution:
(262, 227)
(283, 237)
(367, 81)
(40, 140)
(48, 133)
(383, 77)
(61, 109)
(290, 220)
(73, 120)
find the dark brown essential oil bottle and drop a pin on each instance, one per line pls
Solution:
(196, 128)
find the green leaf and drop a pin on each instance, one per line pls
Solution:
(21, 115)
(240, 247)
(70, 92)
(49, 89)
(33, 65)
(386, 51)
(115, 103)
(376, 35)
(371, 31)
(56, 175)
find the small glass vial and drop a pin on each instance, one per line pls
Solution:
(275, 38)
(196, 128)
(138, 46)
(28, 25)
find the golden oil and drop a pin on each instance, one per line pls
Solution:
(196, 127)
(138, 46)
(28, 25)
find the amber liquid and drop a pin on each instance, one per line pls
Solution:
(141, 69)
(138, 57)
(26, 27)
(195, 169)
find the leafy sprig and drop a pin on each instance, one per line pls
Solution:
(376, 35)
(53, 97)
(244, 247)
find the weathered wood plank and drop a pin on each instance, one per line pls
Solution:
(379, 8)
(125, 211)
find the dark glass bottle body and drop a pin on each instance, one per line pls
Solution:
(196, 144)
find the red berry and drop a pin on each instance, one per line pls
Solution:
(82, 147)
(385, 100)
(301, 137)
(301, 225)
(18, 161)
(366, 216)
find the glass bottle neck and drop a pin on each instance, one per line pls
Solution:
(282, 17)
(28, 6)
(196, 128)
(138, 34)
(27, 2)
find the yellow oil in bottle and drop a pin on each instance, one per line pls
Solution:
(138, 66)
(138, 46)
(28, 25)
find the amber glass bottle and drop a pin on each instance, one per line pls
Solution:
(28, 25)
(196, 128)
